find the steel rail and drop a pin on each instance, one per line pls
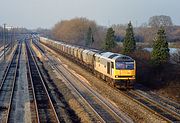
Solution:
(78, 92)
(43, 85)
(151, 110)
(32, 87)
(123, 118)
(15, 59)
(166, 113)
(72, 86)
(167, 103)
(12, 94)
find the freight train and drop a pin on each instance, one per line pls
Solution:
(116, 69)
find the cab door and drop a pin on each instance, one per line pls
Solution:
(108, 68)
(112, 68)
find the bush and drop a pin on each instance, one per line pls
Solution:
(155, 77)
(176, 58)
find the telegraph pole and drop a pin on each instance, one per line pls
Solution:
(11, 37)
(14, 36)
(4, 40)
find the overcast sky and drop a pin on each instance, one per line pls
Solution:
(45, 13)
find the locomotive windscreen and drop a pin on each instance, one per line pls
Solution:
(125, 65)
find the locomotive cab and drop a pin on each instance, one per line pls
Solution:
(124, 72)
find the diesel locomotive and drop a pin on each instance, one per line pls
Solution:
(118, 70)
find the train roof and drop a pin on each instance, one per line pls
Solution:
(123, 58)
(115, 56)
(109, 55)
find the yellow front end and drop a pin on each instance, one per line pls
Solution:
(125, 76)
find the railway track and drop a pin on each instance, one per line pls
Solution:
(154, 106)
(64, 112)
(104, 110)
(165, 109)
(2, 50)
(175, 107)
(44, 111)
(7, 86)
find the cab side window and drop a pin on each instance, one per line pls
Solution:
(112, 65)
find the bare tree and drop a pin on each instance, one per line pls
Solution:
(73, 31)
(161, 20)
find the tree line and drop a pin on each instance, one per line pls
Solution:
(160, 52)
(150, 66)
(86, 32)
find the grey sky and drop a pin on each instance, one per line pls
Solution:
(45, 13)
